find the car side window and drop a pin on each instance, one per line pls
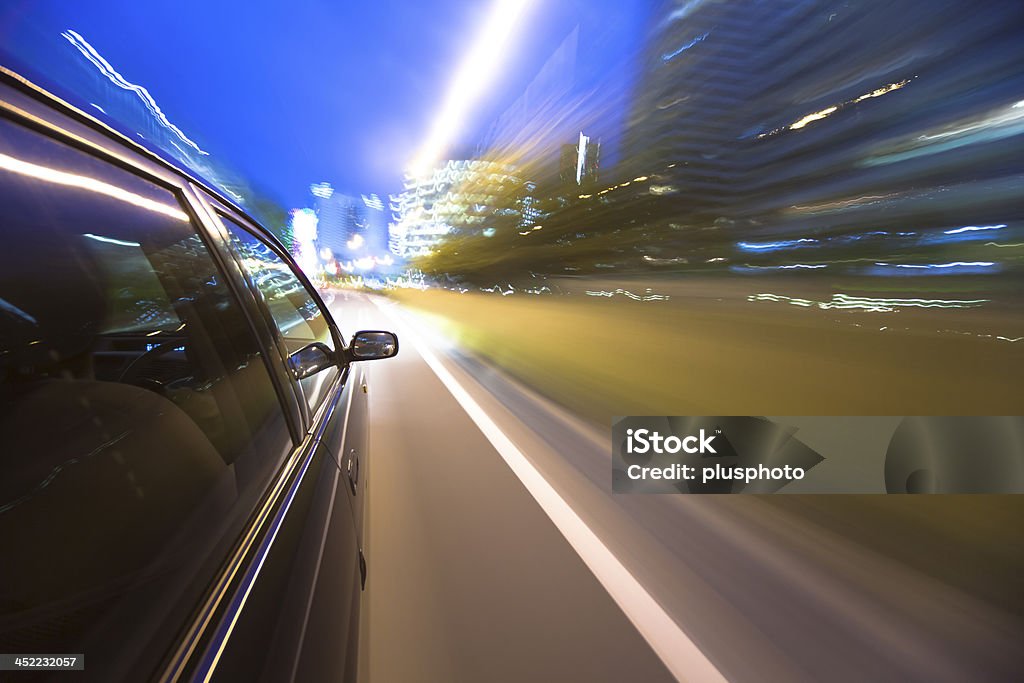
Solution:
(139, 425)
(295, 312)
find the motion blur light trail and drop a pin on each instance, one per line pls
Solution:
(819, 115)
(629, 295)
(997, 124)
(974, 228)
(52, 175)
(471, 80)
(878, 140)
(844, 301)
(90, 53)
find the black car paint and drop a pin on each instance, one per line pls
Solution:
(285, 605)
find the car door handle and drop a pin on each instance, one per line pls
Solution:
(352, 470)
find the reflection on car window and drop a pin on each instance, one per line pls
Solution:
(138, 422)
(136, 300)
(295, 312)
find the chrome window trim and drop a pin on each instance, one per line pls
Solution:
(285, 386)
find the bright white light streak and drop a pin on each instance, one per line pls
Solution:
(52, 175)
(475, 74)
(628, 294)
(974, 228)
(111, 240)
(846, 301)
(883, 90)
(90, 53)
(581, 157)
(954, 264)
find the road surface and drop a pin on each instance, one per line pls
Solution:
(496, 553)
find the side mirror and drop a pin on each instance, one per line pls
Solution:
(310, 360)
(372, 345)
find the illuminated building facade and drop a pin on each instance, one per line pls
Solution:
(530, 206)
(468, 197)
(340, 218)
(579, 164)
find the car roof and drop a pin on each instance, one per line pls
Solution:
(17, 91)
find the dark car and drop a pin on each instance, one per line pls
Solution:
(182, 426)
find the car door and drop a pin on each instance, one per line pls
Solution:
(309, 621)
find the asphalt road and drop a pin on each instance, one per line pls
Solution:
(476, 575)
(468, 578)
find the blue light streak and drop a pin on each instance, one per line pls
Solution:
(669, 56)
(772, 246)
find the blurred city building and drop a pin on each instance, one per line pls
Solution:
(303, 227)
(352, 232)
(375, 224)
(530, 205)
(339, 218)
(461, 198)
(863, 138)
(797, 119)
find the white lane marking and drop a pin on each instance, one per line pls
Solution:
(675, 649)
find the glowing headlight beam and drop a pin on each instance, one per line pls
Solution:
(476, 72)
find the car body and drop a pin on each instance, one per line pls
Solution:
(182, 449)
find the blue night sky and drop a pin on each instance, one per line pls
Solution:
(293, 93)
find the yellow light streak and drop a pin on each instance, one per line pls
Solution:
(816, 116)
